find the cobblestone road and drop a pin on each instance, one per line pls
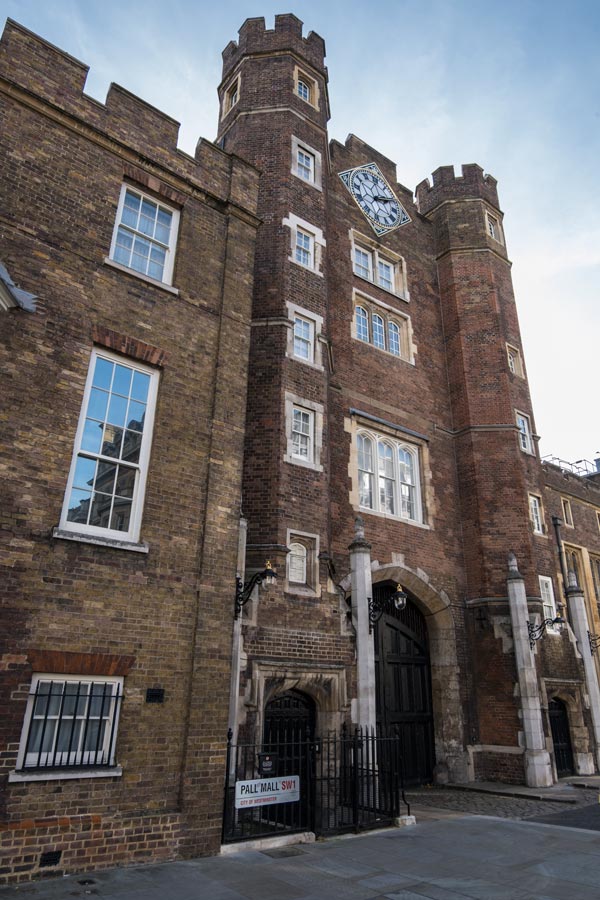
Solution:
(479, 804)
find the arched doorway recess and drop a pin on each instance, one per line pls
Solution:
(561, 737)
(403, 682)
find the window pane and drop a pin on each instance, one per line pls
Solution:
(139, 389)
(117, 410)
(125, 482)
(135, 416)
(122, 380)
(131, 447)
(378, 332)
(105, 479)
(121, 515)
(100, 510)
(79, 504)
(103, 374)
(111, 445)
(362, 324)
(85, 471)
(393, 338)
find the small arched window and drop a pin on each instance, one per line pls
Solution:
(297, 563)
(385, 456)
(378, 332)
(362, 324)
(393, 338)
(365, 471)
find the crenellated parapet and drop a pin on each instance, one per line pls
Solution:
(472, 184)
(42, 73)
(287, 35)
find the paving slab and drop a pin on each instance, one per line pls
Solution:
(461, 858)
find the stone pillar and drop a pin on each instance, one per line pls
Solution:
(360, 573)
(579, 623)
(538, 769)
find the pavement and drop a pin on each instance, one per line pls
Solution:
(450, 854)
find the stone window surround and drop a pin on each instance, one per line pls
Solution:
(358, 423)
(536, 501)
(373, 247)
(312, 587)
(293, 311)
(231, 94)
(316, 181)
(295, 224)
(525, 433)
(312, 84)
(493, 224)
(515, 353)
(316, 410)
(403, 321)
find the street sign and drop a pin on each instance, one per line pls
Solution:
(262, 791)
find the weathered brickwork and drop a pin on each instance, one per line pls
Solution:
(157, 618)
(220, 336)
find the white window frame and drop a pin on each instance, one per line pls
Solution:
(493, 227)
(373, 309)
(365, 245)
(169, 248)
(316, 176)
(314, 411)
(515, 364)
(315, 324)
(133, 533)
(548, 600)
(77, 758)
(525, 435)
(392, 504)
(303, 229)
(306, 431)
(536, 514)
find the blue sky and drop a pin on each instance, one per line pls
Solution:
(511, 86)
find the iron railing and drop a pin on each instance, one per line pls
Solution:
(348, 782)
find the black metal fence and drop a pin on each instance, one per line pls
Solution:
(346, 782)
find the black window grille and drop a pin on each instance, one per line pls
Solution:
(72, 724)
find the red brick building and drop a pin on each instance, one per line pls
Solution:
(147, 300)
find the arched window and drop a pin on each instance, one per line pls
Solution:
(406, 469)
(365, 471)
(397, 491)
(362, 324)
(297, 563)
(378, 332)
(385, 456)
(393, 338)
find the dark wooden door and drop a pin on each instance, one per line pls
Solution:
(403, 676)
(289, 732)
(561, 737)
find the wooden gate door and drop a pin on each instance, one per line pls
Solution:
(561, 737)
(289, 732)
(403, 676)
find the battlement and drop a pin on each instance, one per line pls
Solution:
(287, 35)
(472, 184)
(29, 62)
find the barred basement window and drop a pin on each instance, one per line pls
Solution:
(70, 722)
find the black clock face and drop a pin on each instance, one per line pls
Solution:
(375, 198)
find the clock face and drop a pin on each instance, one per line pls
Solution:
(375, 198)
